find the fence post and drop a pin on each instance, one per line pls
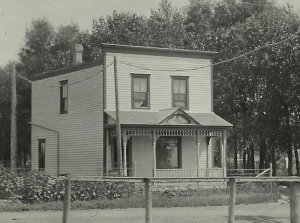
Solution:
(133, 169)
(67, 201)
(271, 174)
(232, 198)
(295, 202)
(148, 200)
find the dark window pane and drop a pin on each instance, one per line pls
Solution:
(167, 153)
(63, 96)
(41, 150)
(215, 146)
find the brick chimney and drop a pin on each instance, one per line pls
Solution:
(77, 53)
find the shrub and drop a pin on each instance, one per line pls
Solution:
(35, 186)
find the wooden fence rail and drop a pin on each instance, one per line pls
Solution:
(294, 191)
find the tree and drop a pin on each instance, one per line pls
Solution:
(120, 28)
(166, 27)
(44, 50)
(35, 55)
(5, 101)
(254, 92)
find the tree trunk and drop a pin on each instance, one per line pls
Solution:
(248, 158)
(274, 172)
(289, 146)
(235, 151)
(245, 159)
(252, 155)
(262, 154)
(297, 160)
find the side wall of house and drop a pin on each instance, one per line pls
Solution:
(51, 152)
(80, 130)
(200, 80)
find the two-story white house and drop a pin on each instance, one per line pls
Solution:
(168, 126)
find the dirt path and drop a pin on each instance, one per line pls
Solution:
(259, 213)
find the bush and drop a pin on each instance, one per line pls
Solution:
(35, 186)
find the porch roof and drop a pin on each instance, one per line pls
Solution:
(156, 118)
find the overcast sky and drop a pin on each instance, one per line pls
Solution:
(16, 16)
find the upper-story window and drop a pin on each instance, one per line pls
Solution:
(180, 97)
(63, 96)
(140, 91)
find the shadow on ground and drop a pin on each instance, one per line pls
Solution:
(258, 219)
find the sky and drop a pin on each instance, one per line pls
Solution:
(16, 16)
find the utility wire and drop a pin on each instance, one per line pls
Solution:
(171, 70)
(214, 64)
(70, 84)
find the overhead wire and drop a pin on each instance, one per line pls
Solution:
(171, 70)
(70, 84)
(214, 64)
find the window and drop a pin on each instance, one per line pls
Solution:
(180, 92)
(168, 153)
(41, 145)
(216, 150)
(140, 91)
(63, 97)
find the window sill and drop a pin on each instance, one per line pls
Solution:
(140, 108)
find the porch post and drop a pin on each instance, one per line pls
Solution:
(224, 153)
(198, 152)
(207, 152)
(221, 150)
(106, 153)
(124, 138)
(154, 152)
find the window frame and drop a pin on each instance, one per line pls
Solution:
(40, 142)
(135, 75)
(186, 78)
(64, 106)
(179, 152)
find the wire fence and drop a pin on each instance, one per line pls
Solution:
(149, 186)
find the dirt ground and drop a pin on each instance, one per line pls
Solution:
(258, 213)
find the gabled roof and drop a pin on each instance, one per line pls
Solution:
(158, 118)
(166, 115)
(65, 70)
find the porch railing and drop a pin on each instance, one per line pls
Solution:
(203, 172)
(211, 172)
(176, 173)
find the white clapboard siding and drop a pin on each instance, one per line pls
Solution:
(142, 156)
(80, 130)
(50, 149)
(200, 97)
(189, 152)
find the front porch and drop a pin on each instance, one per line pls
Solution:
(191, 152)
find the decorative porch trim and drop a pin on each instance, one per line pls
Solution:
(155, 132)
(171, 132)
